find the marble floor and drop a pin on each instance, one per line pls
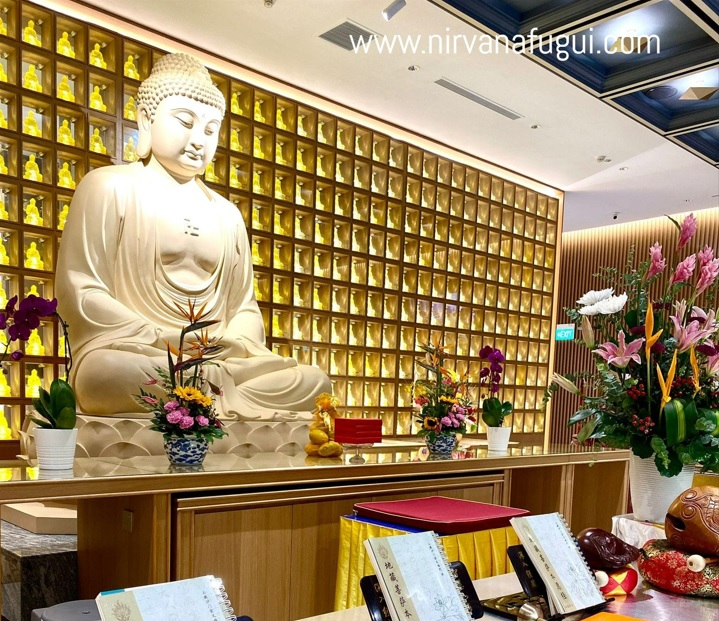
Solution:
(37, 571)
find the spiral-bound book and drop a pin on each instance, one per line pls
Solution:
(416, 579)
(199, 599)
(556, 556)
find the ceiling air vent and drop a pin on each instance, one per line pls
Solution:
(477, 98)
(345, 34)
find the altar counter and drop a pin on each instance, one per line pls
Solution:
(268, 524)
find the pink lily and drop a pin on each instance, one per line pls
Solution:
(658, 263)
(688, 336)
(687, 230)
(713, 366)
(708, 320)
(684, 270)
(621, 354)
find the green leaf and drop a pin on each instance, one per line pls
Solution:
(580, 416)
(507, 408)
(39, 422)
(66, 418)
(586, 431)
(61, 396)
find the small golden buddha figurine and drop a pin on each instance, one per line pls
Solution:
(3, 75)
(64, 133)
(3, 214)
(235, 104)
(130, 109)
(33, 291)
(32, 170)
(32, 214)
(33, 384)
(235, 140)
(29, 34)
(301, 160)
(279, 153)
(3, 171)
(257, 148)
(279, 118)
(258, 111)
(64, 90)
(257, 182)
(34, 346)
(30, 126)
(4, 259)
(62, 216)
(64, 46)
(3, 27)
(130, 70)
(61, 346)
(320, 165)
(234, 179)
(129, 153)
(210, 173)
(30, 80)
(4, 392)
(278, 188)
(96, 57)
(3, 303)
(64, 177)
(96, 143)
(32, 258)
(3, 120)
(96, 101)
(299, 198)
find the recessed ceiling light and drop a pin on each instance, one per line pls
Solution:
(603, 159)
(624, 168)
(661, 92)
(413, 68)
(535, 126)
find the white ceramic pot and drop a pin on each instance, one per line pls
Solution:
(498, 439)
(651, 492)
(55, 448)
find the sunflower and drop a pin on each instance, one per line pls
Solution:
(189, 393)
(430, 422)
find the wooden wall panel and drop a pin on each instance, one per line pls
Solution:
(583, 253)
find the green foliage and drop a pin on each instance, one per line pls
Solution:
(56, 409)
(494, 411)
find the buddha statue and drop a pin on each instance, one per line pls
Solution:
(64, 133)
(119, 284)
(64, 177)
(32, 170)
(31, 81)
(257, 182)
(30, 126)
(32, 258)
(3, 171)
(279, 193)
(3, 303)
(3, 73)
(235, 104)
(235, 140)
(4, 215)
(234, 178)
(257, 147)
(5, 391)
(33, 291)
(4, 259)
(32, 214)
(129, 69)
(279, 118)
(96, 57)
(61, 346)
(33, 384)
(3, 120)
(64, 46)
(62, 216)
(34, 346)
(29, 34)
(96, 143)
(64, 90)
(130, 109)
(129, 154)
(210, 173)
(96, 101)
(3, 26)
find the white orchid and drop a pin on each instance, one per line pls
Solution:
(592, 297)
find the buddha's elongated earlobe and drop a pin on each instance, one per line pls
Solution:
(144, 124)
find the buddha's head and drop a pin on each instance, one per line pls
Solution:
(179, 114)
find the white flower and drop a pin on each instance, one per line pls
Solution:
(592, 297)
(592, 309)
(607, 306)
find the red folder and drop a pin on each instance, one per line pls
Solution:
(447, 516)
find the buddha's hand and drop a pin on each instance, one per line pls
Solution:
(232, 348)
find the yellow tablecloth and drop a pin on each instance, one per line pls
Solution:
(484, 553)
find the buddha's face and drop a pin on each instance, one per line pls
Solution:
(184, 135)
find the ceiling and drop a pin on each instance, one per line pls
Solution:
(643, 174)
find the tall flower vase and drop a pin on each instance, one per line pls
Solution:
(651, 492)
(186, 450)
(443, 444)
(498, 439)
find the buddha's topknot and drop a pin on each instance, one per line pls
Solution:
(178, 74)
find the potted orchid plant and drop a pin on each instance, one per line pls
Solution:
(494, 410)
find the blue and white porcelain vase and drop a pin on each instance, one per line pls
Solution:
(186, 450)
(443, 444)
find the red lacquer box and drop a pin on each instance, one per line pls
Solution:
(358, 430)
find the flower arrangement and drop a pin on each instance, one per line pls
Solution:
(55, 409)
(186, 409)
(656, 385)
(490, 377)
(442, 398)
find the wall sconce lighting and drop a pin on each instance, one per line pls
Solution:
(393, 9)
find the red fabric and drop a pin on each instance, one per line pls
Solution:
(447, 516)
(666, 568)
(621, 582)
(358, 430)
